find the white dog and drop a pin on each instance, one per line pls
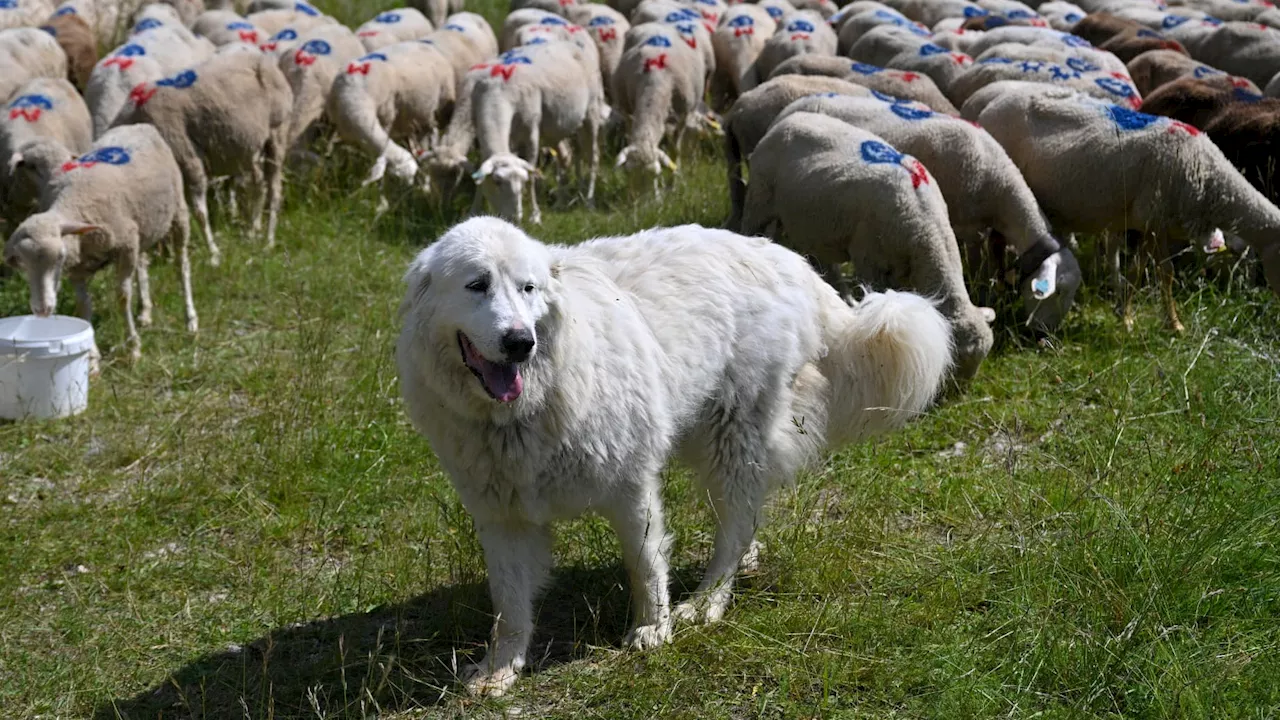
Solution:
(555, 380)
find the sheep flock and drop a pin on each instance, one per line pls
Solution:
(960, 149)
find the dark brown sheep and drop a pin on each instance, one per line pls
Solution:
(1100, 27)
(1131, 43)
(1196, 101)
(79, 43)
(1249, 135)
(992, 21)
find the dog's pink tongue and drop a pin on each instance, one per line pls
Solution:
(503, 380)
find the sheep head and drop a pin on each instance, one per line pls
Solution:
(1049, 290)
(502, 178)
(41, 247)
(445, 167)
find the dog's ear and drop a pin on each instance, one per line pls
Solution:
(417, 281)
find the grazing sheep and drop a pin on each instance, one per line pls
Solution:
(103, 18)
(398, 93)
(437, 10)
(1249, 136)
(898, 83)
(1246, 49)
(297, 18)
(1087, 79)
(1196, 101)
(837, 193)
(977, 102)
(801, 33)
(1154, 68)
(982, 188)
(528, 97)
(1062, 16)
(855, 26)
(45, 109)
(552, 6)
(751, 116)
(659, 80)
(393, 26)
(466, 39)
(1101, 61)
(201, 112)
(311, 68)
(157, 15)
(147, 56)
(1132, 43)
(894, 47)
(222, 27)
(110, 205)
(694, 31)
(518, 19)
(737, 43)
(27, 53)
(1099, 27)
(1095, 166)
(931, 12)
(76, 39)
(23, 13)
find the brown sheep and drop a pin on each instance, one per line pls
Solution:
(1100, 27)
(1196, 101)
(1249, 135)
(1154, 68)
(77, 40)
(1133, 42)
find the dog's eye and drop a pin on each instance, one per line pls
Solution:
(480, 285)
(529, 287)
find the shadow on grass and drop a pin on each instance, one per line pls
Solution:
(389, 659)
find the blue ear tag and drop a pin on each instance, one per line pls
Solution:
(1040, 286)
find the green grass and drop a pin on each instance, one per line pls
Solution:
(244, 524)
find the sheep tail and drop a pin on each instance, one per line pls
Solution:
(886, 360)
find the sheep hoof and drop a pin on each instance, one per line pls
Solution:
(144, 319)
(215, 259)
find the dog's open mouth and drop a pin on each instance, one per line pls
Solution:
(501, 380)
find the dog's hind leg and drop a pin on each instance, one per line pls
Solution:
(518, 558)
(645, 548)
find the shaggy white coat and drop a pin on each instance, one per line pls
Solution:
(729, 350)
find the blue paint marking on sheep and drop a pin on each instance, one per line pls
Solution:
(930, 49)
(972, 11)
(908, 111)
(537, 41)
(306, 9)
(774, 12)
(886, 97)
(182, 80)
(800, 26)
(888, 15)
(1172, 21)
(285, 34)
(383, 58)
(1205, 71)
(1082, 65)
(996, 61)
(1245, 96)
(109, 155)
(1040, 285)
(1114, 86)
(67, 10)
(510, 57)
(8, 4)
(553, 21)
(658, 41)
(316, 46)
(1145, 33)
(685, 28)
(1031, 66)
(1058, 73)
(1074, 41)
(130, 50)
(1128, 119)
(995, 22)
(741, 21)
(387, 18)
(32, 101)
(603, 20)
(239, 25)
(1073, 17)
(454, 27)
(50, 29)
(876, 152)
(675, 16)
(147, 24)
(1019, 15)
(865, 69)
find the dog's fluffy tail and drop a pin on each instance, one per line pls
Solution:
(886, 361)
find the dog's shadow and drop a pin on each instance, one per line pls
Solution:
(391, 658)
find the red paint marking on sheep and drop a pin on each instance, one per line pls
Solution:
(366, 33)
(608, 35)
(30, 114)
(659, 63)
(910, 77)
(141, 93)
(1121, 76)
(124, 63)
(1135, 102)
(961, 58)
(503, 71)
(799, 36)
(740, 31)
(249, 36)
(708, 27)
(361, 68)
(1038, 22)
(302, 57)
(919, 176)
(1177, 127)
(1238, 82)
(268, 47)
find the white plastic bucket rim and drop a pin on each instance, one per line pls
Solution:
(36, 337)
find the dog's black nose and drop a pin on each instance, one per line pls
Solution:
(518, 344)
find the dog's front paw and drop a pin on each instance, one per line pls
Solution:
(705, 609)
(484, 681)
(647, 637)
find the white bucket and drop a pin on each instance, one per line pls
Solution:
(44, 366)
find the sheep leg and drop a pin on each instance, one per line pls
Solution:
(181, 235)
(589, 139)
(276, 150)
(535, 212)
(1164, 269)
(143, 272)
(125, 266)
(198, 189)
(259, 197)
(84, 301)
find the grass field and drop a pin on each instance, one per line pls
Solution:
(244, 525)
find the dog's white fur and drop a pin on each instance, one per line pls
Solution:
(728, 350)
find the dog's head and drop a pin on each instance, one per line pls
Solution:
(477, 303)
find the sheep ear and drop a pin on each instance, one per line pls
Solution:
(1045, 282)
(486, 169)
(78, 228)
(988, 315)
(622, 156)
(15, 161)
